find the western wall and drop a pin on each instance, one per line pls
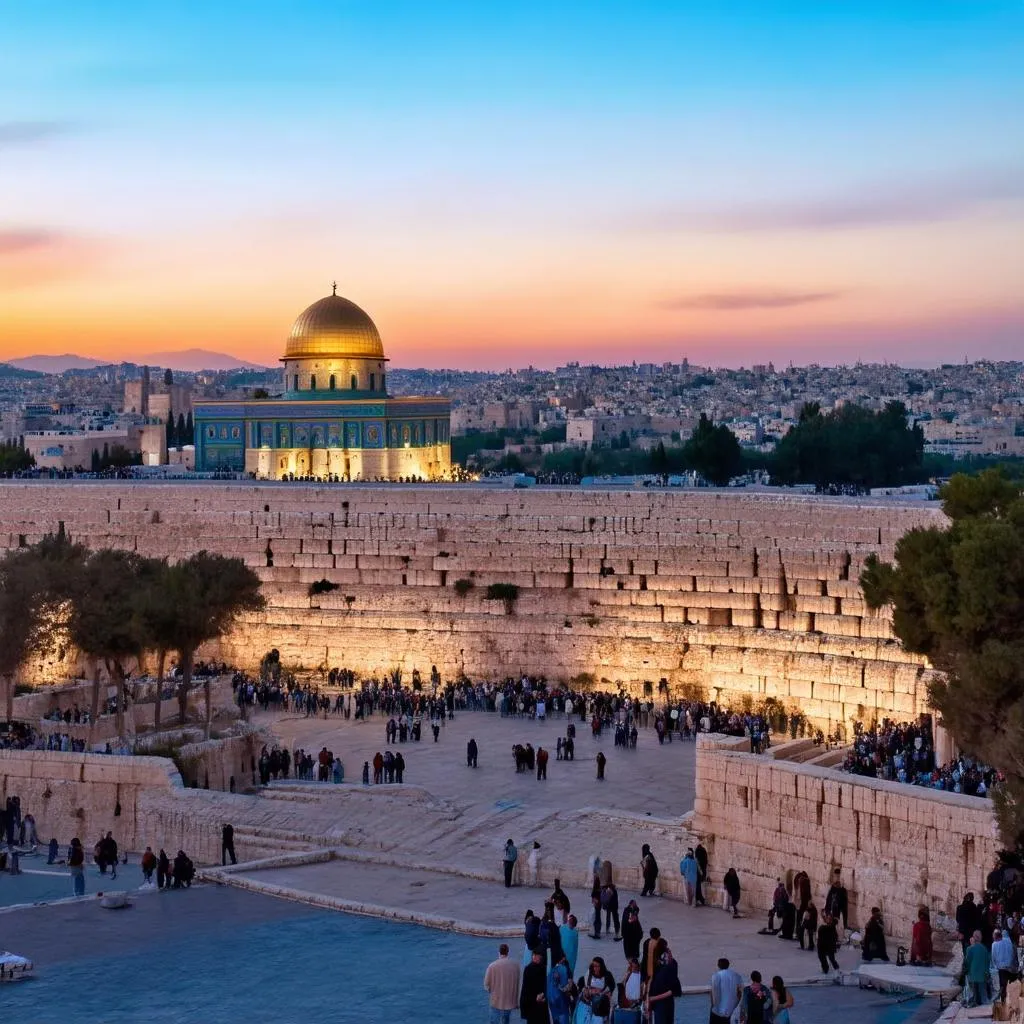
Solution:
(898, 847)
(736, 595)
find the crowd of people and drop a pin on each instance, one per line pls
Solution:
(905, 752)
(545, 987)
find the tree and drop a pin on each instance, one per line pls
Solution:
(168, 377)
(104, 622)
(169, 426)
(157, 617)
(207, 593)
(36, 585)
(713, 452)
(14, 458)
(957, 596)
(181, 428)
(850, 447)
(190, 430)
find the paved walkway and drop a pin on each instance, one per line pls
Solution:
(698, 936)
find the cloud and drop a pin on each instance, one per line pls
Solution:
(23, 133)
(872, 206)
(742, 300)
(15, 241)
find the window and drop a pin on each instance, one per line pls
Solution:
(295, 383)
(332, 382)
(382, 381)
(372, 383)
(354, 382)
(312, 383)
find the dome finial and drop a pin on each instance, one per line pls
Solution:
(334, 287)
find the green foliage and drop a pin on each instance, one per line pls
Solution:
(168, 377)
(507, 592)
(260, 394)
(850, 446)
(323, 586)
(14, 458)
(713, 452)
(957, 596)
(473, 442)
(463, 586)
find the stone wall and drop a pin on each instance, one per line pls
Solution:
(899, 847)
(740, 595)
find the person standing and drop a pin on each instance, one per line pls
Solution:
(542, 763)
(649, 870)
(837, 902)
(828, 942)
(533, 862)
(471, 754)
(501, 981)
(163, 870)
(632, 931)
(977, 964)
(148, 865)
(533, 1000)
(808, 925)
(559, 988)
(76, 866)
(701, 856)
(561, 901)
(570, 938)
(227, 844)
(921, 940)
(726, 990)
(509, 862)
(664, 986)
(782, 1001)
(1004, 960)
(601, 762)
(732, 889)
(689, 870)
(756, 1004)
(610, 906)
(968, 920)
(873, 947)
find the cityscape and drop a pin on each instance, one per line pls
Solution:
(512, 512)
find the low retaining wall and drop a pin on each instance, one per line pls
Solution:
(899, 847)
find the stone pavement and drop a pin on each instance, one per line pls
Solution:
(462, 816)
(698, 936)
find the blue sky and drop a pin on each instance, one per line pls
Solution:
(639, 177)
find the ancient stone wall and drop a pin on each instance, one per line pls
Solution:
(742, 596)
(899, 847)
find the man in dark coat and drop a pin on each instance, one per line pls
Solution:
(533, 1005)
(471, 754)
(227, 844)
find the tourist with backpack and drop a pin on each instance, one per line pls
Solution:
(610, 906)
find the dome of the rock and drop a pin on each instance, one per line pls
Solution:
(335, 328)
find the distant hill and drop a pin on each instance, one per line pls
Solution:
(56, 364)
(6, 370)
(193, 359)
(190, 359)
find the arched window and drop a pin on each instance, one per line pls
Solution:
(372, 383)
(312, 382)
(295, 383)
(332, 382)
(354, 382)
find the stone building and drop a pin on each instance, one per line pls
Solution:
(335, 418)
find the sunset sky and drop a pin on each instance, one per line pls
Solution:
(500, 184)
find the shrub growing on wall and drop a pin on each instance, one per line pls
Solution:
(324, 586)
(463, 587)
(507, 592)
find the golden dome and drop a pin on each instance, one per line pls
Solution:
(334, 328)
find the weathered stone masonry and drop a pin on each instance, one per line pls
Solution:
(737, 594)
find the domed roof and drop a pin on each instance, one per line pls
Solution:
(334, 328)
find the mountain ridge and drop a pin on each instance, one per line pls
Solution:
(189, 359)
